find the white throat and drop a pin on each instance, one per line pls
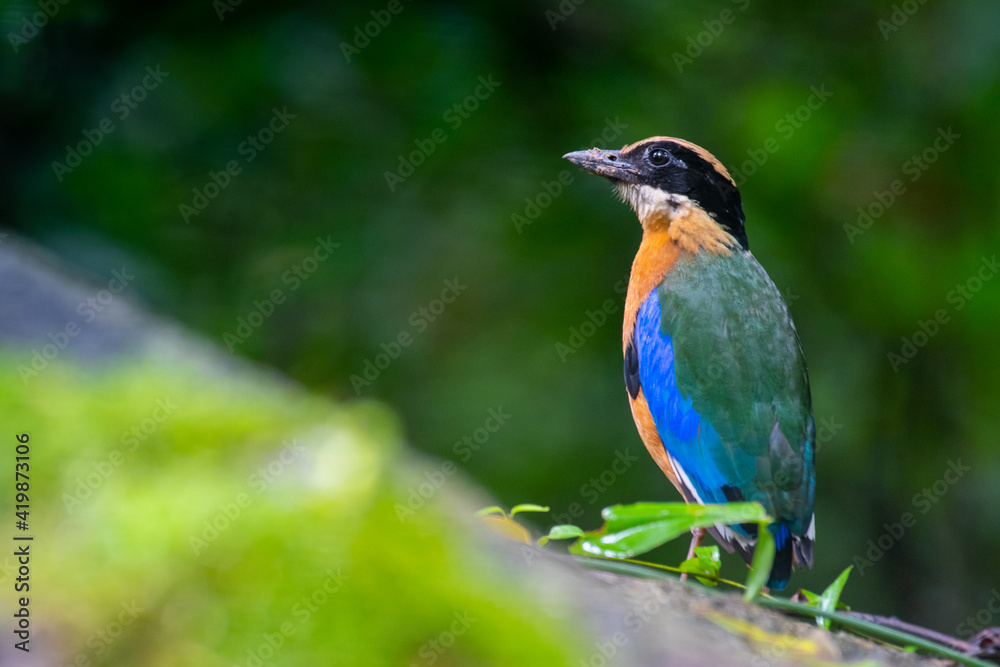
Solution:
(649, 202)
(687, 224)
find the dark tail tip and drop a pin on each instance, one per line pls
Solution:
(781, 570)
(789, 549)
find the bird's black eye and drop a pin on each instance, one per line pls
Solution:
(658, 157)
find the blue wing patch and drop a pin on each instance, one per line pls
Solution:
(711, 466)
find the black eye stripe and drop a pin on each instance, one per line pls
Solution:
(690, 173)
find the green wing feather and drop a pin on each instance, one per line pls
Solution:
(737, 356)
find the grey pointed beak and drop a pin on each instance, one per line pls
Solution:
(609, 164)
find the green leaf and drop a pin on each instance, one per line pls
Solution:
(563, 531)
(527, 507)
(763, 558)
(631, 530)
(706, 561)
(492, 509)
(831, 596)
(619, 517)
(631, 541)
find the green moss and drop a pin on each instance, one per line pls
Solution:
(181, 518)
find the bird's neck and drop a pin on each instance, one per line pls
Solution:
(685, 219)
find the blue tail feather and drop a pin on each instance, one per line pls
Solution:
(781, 570)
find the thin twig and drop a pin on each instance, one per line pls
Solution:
(916, 630)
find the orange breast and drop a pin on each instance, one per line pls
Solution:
(657, 254)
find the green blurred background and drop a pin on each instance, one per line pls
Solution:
(818, 110)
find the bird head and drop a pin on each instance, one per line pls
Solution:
(675, 185)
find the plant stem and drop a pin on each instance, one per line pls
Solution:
(869, 629)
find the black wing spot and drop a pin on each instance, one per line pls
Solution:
(733, 494)
(632, 369)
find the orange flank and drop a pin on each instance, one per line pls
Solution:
(651, 438)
